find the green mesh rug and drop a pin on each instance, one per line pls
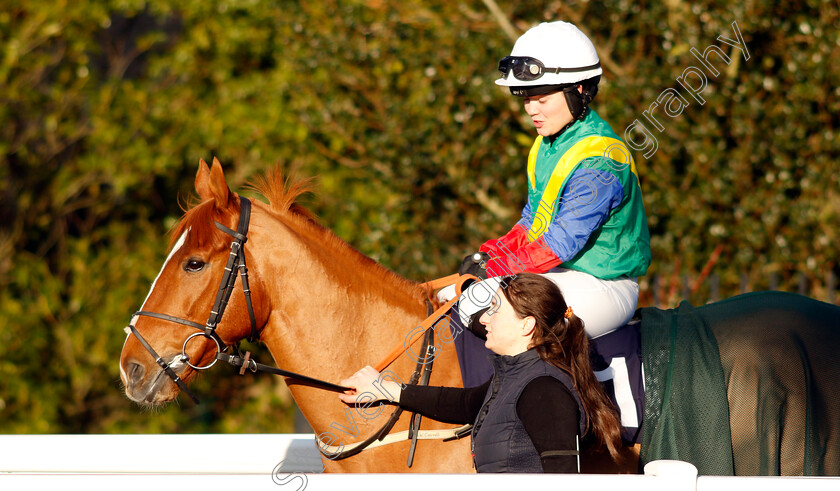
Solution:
(745, 386)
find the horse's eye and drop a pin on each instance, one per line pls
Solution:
(194, 265)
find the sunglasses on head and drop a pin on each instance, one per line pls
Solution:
(526, 68)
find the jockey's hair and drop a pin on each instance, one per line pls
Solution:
(566, 346)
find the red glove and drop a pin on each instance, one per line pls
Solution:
(535, 257)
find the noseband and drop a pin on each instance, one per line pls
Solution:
(236, 260)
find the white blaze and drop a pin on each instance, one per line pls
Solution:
(175, 249)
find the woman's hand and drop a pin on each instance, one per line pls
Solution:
(366, 386)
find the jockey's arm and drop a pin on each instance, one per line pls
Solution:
(584, 206)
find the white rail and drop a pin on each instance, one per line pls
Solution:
(292, 463)
(158, 454)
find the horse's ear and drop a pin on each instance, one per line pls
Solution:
(201, 180)
(210, 183)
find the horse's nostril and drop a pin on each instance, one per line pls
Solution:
(135, 372)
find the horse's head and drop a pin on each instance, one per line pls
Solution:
(179, 304)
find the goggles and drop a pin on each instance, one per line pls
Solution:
(526, 68)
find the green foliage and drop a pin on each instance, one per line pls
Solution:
(107, 106)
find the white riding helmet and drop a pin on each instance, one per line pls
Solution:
(552, 53)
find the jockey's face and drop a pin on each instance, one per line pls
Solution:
(549, 113)
(507, 333)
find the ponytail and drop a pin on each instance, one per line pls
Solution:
(603, 418)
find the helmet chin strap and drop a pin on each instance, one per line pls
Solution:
(578, 101)
(578, 106)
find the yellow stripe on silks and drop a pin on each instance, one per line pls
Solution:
(592, 146)
(532, 161)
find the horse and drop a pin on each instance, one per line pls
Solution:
(323, 309)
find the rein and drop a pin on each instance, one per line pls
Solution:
(421, 375)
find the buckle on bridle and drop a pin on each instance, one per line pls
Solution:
(245, 361)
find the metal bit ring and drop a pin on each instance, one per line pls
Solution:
(186, 358)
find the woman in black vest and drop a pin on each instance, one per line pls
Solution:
(541, 398)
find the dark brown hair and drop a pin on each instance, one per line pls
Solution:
(565, 345)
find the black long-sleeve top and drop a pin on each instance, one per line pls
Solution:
(547, 409)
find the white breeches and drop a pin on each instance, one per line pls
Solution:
(604, 305)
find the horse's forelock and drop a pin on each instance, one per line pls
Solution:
(200, 222)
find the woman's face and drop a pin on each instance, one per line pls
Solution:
(550, 113)
(507, 333)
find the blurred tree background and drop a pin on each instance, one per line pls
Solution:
(107, 106)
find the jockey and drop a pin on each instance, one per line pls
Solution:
(584, 224)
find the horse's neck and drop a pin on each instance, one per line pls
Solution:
(330, 311)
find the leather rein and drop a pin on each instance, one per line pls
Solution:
(225, 352)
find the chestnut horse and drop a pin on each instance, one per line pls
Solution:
(322, 308)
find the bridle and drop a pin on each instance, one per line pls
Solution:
(236, 261)
(224, 352)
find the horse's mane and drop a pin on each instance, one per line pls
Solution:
(282, 193)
